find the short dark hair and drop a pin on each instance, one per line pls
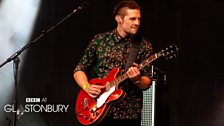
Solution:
(131, 4)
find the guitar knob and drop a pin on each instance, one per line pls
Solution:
(97, 113)
(91, 111)
(90, 119)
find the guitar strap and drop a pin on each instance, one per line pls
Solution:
(135, 46)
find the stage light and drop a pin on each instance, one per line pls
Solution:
(16, 23)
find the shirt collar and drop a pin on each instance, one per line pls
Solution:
(116, 35)
(118, 38)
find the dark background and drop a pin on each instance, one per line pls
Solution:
(194, 79)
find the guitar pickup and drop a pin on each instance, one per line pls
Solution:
(107, 86)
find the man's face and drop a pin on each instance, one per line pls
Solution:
(131, 21)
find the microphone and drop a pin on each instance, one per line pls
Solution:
(82, 6)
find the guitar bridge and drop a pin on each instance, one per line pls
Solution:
(85, 101)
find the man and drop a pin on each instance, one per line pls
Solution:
(111, 50)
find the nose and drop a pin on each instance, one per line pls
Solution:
(137, 22)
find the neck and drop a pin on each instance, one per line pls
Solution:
(121, 32)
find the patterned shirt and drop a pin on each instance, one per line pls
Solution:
(107, 51)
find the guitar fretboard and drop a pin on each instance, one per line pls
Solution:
(124, 76)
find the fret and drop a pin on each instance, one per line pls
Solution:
(147, 61)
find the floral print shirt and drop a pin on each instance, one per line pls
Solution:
(107, 51)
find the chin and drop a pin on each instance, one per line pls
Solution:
(133, 33)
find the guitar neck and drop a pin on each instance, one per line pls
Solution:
(124, 76)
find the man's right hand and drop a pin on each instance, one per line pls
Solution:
(94, 90)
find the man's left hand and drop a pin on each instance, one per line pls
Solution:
(134, 73)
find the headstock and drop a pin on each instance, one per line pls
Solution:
(169, 52)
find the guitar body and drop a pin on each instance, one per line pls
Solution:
(90, 111)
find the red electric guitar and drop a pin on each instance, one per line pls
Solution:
(90, 111)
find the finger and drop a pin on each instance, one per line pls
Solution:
(102, 87)
(91, 93)
(134, 71)
(136, 65)
(92, 89)
(94, 92)
(93, 96)
(129, 73)
(137, 72)
(98, 87)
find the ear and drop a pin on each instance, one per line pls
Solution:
(118, 18)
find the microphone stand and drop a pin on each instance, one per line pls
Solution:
(16, 59)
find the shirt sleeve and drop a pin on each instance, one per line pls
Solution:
(89, 57)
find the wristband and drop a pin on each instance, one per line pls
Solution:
(85, 86)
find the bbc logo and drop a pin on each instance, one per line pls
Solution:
(32, 100)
